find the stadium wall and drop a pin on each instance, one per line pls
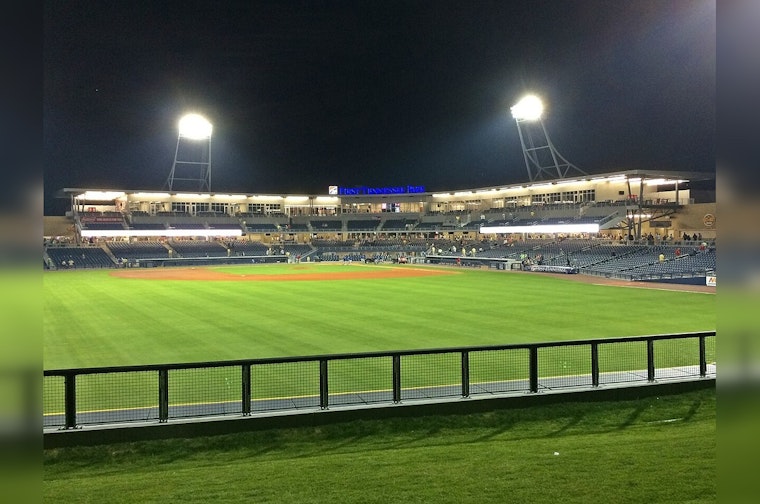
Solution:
(695, 218)
(57, 226)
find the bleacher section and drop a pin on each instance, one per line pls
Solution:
(138, 250)
(148, 225)
(190, 248)
(247, 248)
(334, 245)
(182, 221)
(699, 264)
(432, 226)
(298, 228)
(325, 226)
(223, 225)
(297, 249)
(101, 220)
(79, 257)
(260, 227)
(362, 225)
(187, 225)
(474, 225)
(398, 224)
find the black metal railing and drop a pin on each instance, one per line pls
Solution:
(159, 393)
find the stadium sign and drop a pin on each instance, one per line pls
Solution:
(374, 191)
(548, 268)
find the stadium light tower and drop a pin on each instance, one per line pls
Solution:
(192, 158)
(541, 158)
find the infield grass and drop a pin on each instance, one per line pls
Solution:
(658, 450)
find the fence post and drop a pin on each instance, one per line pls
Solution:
(595, 364)
(246, 389)
(650, 360)
(323, 388)
(396, 379)
(465, 374)
(702, 357)
(70, 400)
(163, 395)
(534, 369)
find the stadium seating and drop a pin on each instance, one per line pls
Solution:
(298, 228)
(594, 256)
(192, 248)
(322, 226)
(262, 227)
(398, 224)
(138, 250)
(247, 248)
(362, 225)
(79, 257)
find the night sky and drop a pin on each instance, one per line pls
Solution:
(306, 94)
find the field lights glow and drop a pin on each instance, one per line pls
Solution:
(542, 228)
(195, 127)
(192, 196)
(153, 195)
(156, 233)
(100, 195)
(529, 108)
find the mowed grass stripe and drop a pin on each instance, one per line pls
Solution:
(93, 319)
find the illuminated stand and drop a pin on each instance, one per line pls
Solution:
(541, 158)
(192, 158)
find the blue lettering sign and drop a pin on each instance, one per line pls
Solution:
(355, 191)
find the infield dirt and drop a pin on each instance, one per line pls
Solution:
(357, 272)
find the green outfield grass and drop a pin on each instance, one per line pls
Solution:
(92, 319)
(658, 449)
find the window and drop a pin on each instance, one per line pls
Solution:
(180, 206)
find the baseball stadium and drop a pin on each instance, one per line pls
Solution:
(180, 312)
(326, 252)
(362, 273)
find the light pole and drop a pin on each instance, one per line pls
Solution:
(192, 157)
(541, 158)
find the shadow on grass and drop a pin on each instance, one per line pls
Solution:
(554, 421)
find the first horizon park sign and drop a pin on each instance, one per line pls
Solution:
(374, 191)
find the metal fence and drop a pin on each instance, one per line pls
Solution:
(159, 393)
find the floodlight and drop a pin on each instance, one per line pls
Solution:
(541, 158)
(529, 108)
(192, 158)
(195, 127)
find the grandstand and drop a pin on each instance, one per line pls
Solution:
(615, 224)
